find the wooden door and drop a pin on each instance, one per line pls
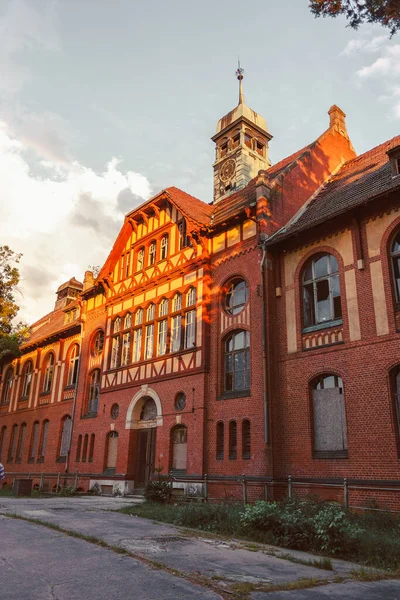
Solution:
(145, 455)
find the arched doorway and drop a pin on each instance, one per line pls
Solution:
(179, 448)
(146, 442)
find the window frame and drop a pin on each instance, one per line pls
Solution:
(93, 393)
(48, 373)
(333, 321)
(73, 365)
(27, 375)
(395, 255)
(220, 441)
(7, 386)
(234, 392)
(327, 454)
(228, 290)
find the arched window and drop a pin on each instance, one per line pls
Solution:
(395, 384)
(73, 365)
(3, 435)
(139, 316)
(126, 341)
(237, 362)
(48, 373)
(128, 321)
(220, 441)
(43, 441)
(191, 297)
(179, 449)
(85, 447)
(321, 291)
(26, 379)
(177, 302)
(117, 325)
(183, 237)
(65, 437)
(152, 253)
(21, 442)
(112, 451)
(115, 352)
(151, 312)
(7, 385)
(149, 339)
(163, 308)
(94, 391)
(246, 441)
(91, 447)
(78, 448)
(329, 417)
(140, 259)
(98, 343)
(162, 337)
(176, 323)
(236, 294)
(395, 259)
(232, 440)
(13, 443)
(164, 247)
(33, 447)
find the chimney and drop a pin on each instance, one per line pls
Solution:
(337, 120)
(88, 281)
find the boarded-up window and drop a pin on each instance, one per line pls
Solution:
(65, 436)
(85, 447)
(78, 448)
(34, 441)
(43, 441)
(330, 432)
(112, 450)
(220, 441)
(232, 440)
(246, 446)
(13, 443)
(2, 441)
(91, 448)
(21, 441)
(179, 451)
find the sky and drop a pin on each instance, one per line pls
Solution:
(104, 104)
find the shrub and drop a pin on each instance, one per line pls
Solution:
(333, 529)
(265, 516)
(158, 491)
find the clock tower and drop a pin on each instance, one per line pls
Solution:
(241, 142)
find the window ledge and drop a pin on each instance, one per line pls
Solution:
(42, 394)
(61, 459)
(331, 454)
(325, 325)
(23, 398)
(70, 387)
(31, 459)
(89, 416)
(41, 459)
(235, 394)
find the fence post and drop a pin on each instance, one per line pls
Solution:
(345, 493)
(244, 489)
(76, 479)
(58, 483)
(205, 490)
(41, 484)
(289, 486)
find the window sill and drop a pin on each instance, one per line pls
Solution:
(325, 325)
(235, 394)
(61, 459)
(233, 458)
(331, 454)
(31, 460)
(109, 471)
(23, 399)
(41, 459)
(70, 387)
(43, 394)
(89, 416)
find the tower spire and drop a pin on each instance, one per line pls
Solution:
(239, 75)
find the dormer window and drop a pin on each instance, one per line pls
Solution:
(394, 159)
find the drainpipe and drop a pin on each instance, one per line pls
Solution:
(75, 396)
(264, 333)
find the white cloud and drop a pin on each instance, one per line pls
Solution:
(364, 45)
(61, 217)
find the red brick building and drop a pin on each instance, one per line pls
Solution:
(257, 335)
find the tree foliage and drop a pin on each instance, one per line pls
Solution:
(11, 334)
(357, 12)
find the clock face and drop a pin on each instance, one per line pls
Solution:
(227, 170)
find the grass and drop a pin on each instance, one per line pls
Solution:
(376, 542)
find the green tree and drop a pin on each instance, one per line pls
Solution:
(384, 12)
(11, 334)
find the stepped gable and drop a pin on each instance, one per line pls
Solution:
(359, 180)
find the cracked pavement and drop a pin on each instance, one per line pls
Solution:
(37, 562)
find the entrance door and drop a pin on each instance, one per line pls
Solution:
(146, 449)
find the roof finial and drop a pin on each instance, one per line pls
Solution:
(239, 75)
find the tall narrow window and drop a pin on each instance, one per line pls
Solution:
(149, 341)
(128, 321)
(137, 345)
(177, 302)
(112, 451)
(220, 441)
(91, 448)
(98, 343)
(65, 438)
(139, 316)
(190, 329)
(122, 267)
(126, 349)
(330, 432)
(164, 247)
(33, 448)
(321, 291)
(191, 297)
(183, 237)
(246, 442)
(78, 448)
(117, 325)
(127, 263)
(151, 312)
(3, 435)
(179, 450)
(163, 309)
(73, 366)
(176, 333)
(395, 381)
(140, 259)
(237, 362)
(13, 443)
(48, 373)
(26, 380)
(115, 354)
(43, 440)
(85, 447)
(94, 391)
(152, 252)
(395, 257)
(232, 440)
(162, 337)
(8, 381)
(21, 442)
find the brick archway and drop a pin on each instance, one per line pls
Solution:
(133, 413)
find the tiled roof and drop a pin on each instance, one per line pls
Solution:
(192, 207)
(49, 325)
(358, 181)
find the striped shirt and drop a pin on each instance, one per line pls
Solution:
(1, 472)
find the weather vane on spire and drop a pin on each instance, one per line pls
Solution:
(239, 75)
